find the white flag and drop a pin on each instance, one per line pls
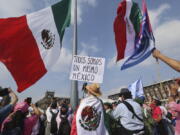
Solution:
(136, 89)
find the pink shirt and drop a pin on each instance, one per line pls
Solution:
(8, 119)
(29, 123)
(176, 107)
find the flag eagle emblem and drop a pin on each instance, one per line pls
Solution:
(48, 39)
(90, 118)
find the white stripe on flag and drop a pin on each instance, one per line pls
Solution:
(130, 33)
(44, 20)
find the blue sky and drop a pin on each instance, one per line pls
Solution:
(96, 38)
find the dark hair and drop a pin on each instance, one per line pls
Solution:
(64, 109)
(109, 105)
(126, 95)
(28, 100)
(158, 102)
(54, 104)
(84, 86)
(4, 91)
(5, 101)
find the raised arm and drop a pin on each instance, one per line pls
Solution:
(13, 96)
(175, 64)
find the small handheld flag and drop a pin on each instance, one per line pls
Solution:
(136, 89)
(144, 45)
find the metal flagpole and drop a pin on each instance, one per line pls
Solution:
(74, 84)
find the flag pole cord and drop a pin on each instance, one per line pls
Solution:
(74, 84)
(159, 77)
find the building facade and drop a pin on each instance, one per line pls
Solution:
(159, 90)
(45, 102)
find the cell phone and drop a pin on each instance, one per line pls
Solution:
(4, 92)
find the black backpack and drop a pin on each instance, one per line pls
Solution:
(64, 127)
(53, 122)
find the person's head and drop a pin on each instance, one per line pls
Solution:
(64, 109)
(171, 99)
(140, 100)
(54, 104)
(23, 107)
(107, 106)
(114, 105)
(28, 100)
(156, 101)
(125, 94)
(93, 89)
(5, 100)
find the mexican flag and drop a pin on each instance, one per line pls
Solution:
(89, 118)
(127, 28)
(30, 44)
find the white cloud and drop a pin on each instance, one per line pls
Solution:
(89, 47)
(155, 15)
(112, 62)
(9, 8)
(80, 9)
(167, 36)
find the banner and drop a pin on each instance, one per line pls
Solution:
(136, 89)
(87, 69)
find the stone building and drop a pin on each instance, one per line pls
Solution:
(160, 90)
(47, 99)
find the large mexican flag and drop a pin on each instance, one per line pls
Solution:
(30, 44)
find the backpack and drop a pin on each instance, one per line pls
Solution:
(53, 122)
(147, 120)
(64, 127)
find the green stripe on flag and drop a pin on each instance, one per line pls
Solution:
(62, 16)
(136, 17)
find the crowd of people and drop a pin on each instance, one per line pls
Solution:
(25, 118)
(126, 116)
(141, 117)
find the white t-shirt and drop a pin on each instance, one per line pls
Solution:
(49, 115)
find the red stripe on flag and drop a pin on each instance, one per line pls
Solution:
(74, 126)
(19, 52)
(120, 30)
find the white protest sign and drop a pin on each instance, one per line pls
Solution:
(87, 69)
